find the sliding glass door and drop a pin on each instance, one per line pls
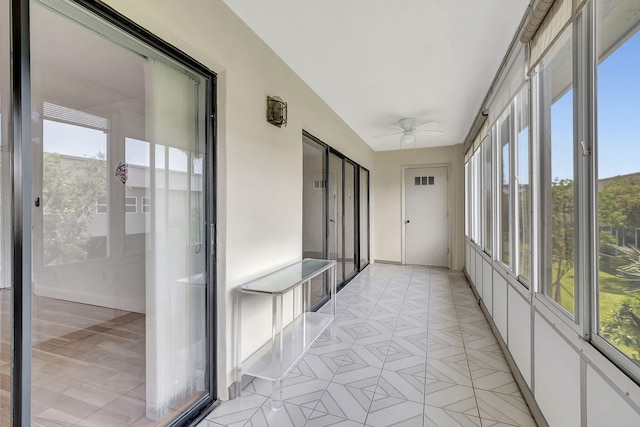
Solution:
(314, 212)
(121, 284)
(335, 219)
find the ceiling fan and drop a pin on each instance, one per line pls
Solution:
(408, 129)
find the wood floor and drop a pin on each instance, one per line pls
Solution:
(88, 366)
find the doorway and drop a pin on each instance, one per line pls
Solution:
(426, 216)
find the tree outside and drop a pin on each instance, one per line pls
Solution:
(619, 269)
(71, 188)
(561, 286)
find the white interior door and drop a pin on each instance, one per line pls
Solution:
(426, 224)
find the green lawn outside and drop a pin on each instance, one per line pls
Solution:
(612, 293)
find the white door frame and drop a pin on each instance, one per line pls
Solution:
(403, 211)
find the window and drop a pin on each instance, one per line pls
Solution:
(467, 204)
(475, 197)
(146, 205)
(504, 174)
(131, 205)
(487, 195)
(618, 175)
(523, 187)
(555, 92)
(74, 180)
(101, 205)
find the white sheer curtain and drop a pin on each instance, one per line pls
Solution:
(174, 295)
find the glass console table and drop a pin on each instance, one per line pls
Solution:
(288, 344)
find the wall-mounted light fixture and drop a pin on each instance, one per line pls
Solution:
(276, 111)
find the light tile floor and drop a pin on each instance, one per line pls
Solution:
(410, 347)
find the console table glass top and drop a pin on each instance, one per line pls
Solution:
(287, 278)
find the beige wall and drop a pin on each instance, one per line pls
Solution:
(387, 199)
(259, 165)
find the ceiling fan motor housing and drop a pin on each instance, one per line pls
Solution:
(409, 125)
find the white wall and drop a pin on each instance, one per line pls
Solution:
(387, 199)
(259, 165)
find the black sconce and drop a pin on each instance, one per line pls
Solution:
(276, 111)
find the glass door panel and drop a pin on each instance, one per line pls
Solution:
(364, 217)
(137, 202)
(314, 211)
(119, 305)
(350, 197)
(335, 215)
(618, 172)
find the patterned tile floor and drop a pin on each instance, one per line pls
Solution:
(410, 347)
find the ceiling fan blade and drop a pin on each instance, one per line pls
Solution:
(425, 122)
(388, 134)
(429, 130)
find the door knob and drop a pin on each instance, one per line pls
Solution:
(407, 221)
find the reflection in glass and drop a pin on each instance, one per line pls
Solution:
(556, 94)
(137, 204)
(350, 219)
(6, 291)
(74, 181)
(335, 214)
(618, 171)
(119, 333)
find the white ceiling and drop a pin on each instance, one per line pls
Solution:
(377, 61)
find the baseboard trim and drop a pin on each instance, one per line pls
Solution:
(383, 261)
(97, 300)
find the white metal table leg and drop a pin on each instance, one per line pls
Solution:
(238, 340)
(277, 336)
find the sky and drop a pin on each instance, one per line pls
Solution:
(618, 109)
(79, 141)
